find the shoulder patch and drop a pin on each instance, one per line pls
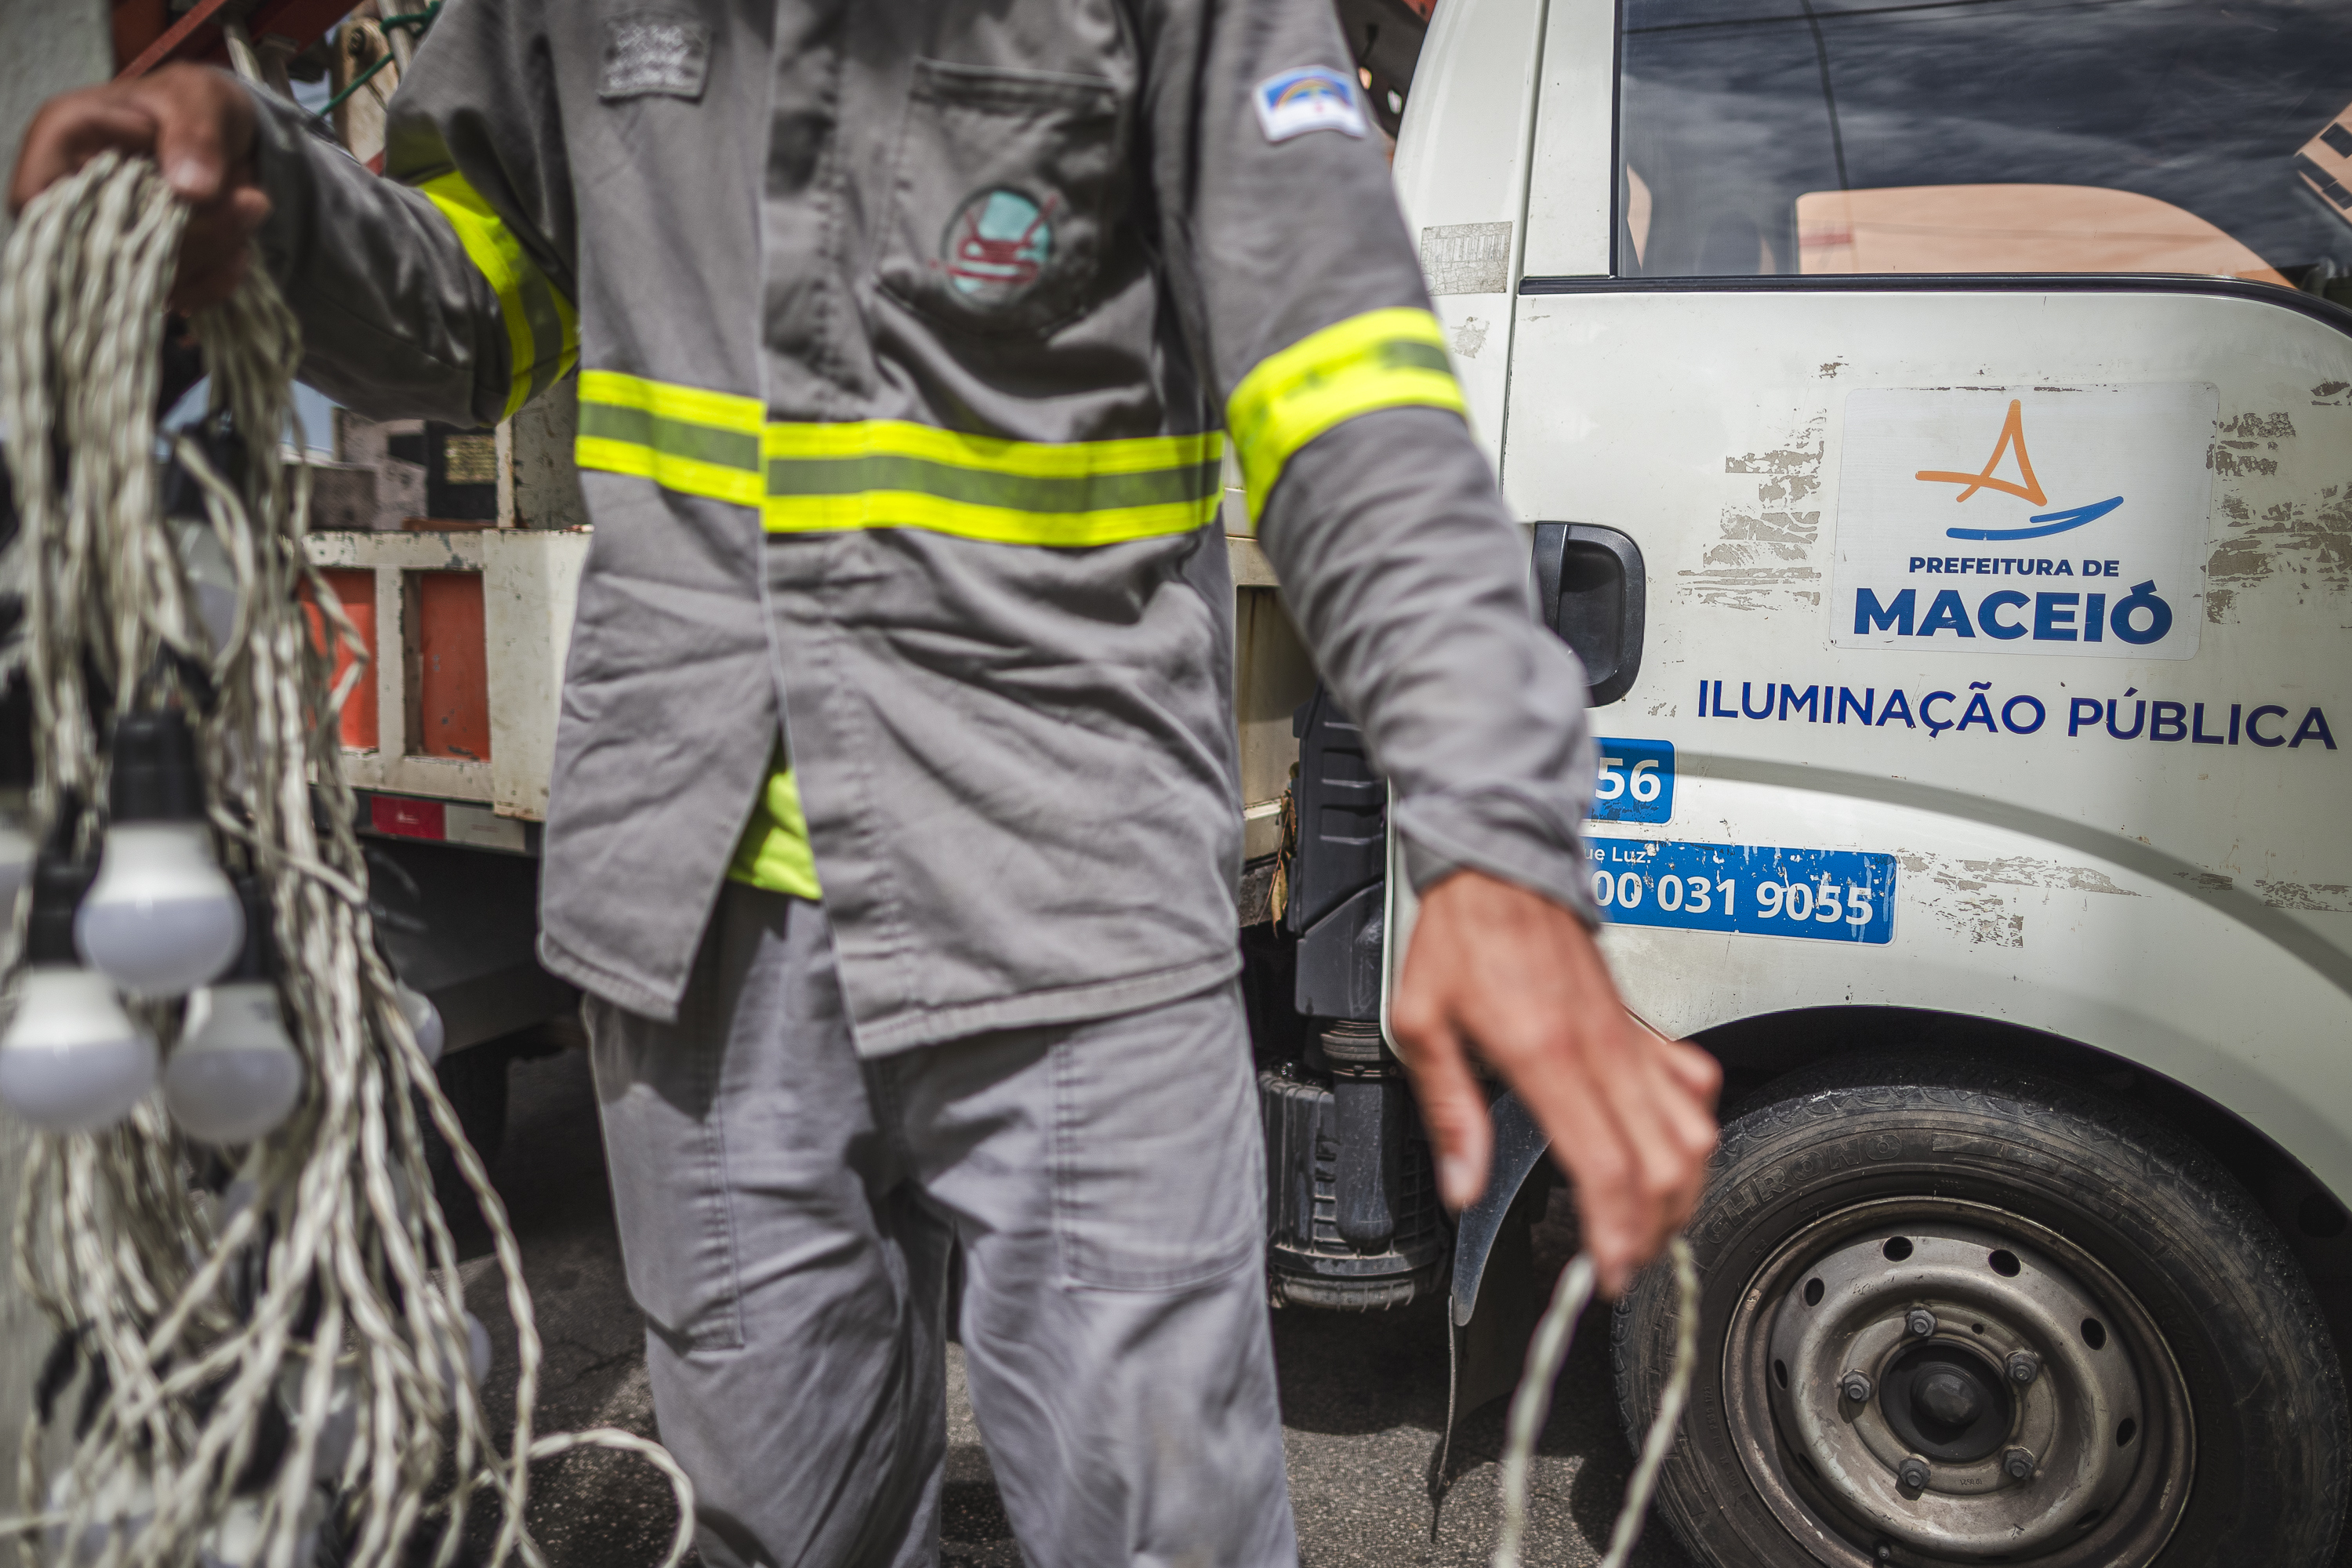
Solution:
(1312, 97)
(650, 52)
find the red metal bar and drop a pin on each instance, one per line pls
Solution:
(303, 21)
(156, 53)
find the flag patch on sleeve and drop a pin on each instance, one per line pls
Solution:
(1312, 97)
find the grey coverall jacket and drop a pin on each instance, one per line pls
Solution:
(907, 331)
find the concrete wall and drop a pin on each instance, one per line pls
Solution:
(52, 45)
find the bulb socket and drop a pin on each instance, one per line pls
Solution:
(155, 776)
(59, 884)
(15, 724)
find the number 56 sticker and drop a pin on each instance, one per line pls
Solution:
(1637, 783)
(1822, 895)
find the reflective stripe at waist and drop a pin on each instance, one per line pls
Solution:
(887, 473)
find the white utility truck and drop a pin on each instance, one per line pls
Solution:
(1935, 424)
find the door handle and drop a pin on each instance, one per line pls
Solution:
(1591, 589)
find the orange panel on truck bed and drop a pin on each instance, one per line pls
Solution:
(355, 591)
(453, 677)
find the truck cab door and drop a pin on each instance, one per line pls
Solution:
(1972, 385)
(1977, 396)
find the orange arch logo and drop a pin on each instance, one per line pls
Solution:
(2025, 487)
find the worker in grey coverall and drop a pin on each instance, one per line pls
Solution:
(894, 825)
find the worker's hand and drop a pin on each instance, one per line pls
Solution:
(1496, 969)
(198, 124)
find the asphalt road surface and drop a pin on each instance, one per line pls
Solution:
(1363, 1398)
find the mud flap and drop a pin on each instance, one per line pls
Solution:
(1491, 1311)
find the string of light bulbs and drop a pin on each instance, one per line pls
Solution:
(291, 1352)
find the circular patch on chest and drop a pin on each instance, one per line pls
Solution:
(997, 246)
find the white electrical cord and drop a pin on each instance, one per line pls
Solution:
(1532, 1402)
(333, 1292)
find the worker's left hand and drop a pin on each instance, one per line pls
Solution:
(198, 124)
(1498, 970)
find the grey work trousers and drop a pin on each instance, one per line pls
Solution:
(787, 1216)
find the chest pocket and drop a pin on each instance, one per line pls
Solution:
(1003, 189)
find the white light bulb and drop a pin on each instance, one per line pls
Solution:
(478, 1358)
(72, 1060)
(125, 1505)
(161, 919)
(235, 1075)
(424, 1020)
(236, 1542)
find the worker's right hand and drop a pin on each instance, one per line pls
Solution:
(198, 124)
(1497, 969)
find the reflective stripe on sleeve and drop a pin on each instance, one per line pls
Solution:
(542, 330)
(1381, 359)
(885, 473)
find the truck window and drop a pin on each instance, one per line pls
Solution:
(1984, 136)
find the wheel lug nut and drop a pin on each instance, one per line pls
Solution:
(2025, 1366)
(1919, 1323)
(1855, 1386)
(2017, 1463)
(1913, 1473)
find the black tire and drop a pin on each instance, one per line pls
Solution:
(2263, 1453)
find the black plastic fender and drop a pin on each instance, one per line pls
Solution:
(1490, 1313)
(1519, 1146)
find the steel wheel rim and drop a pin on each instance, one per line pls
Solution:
(1855, 1513)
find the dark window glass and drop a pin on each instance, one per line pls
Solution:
(1828, 136)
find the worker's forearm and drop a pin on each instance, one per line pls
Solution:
(1411, 586)
(397, 322)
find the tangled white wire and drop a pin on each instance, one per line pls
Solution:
(333, 1293)
(1532, 1402)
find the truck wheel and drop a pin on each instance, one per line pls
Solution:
(1952, 1312)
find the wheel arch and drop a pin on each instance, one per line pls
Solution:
(1757, 1050)
(1754, 1052)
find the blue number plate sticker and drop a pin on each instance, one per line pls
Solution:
(1637, 782)
(1827, 895)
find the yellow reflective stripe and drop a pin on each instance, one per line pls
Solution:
(667, 400)
(887, 473)
(1381, 359)
(995, 525)
(543, 329)
(681, 437)
(1043, 459)
(682, 474)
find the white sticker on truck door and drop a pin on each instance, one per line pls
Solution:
(2055, 520)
